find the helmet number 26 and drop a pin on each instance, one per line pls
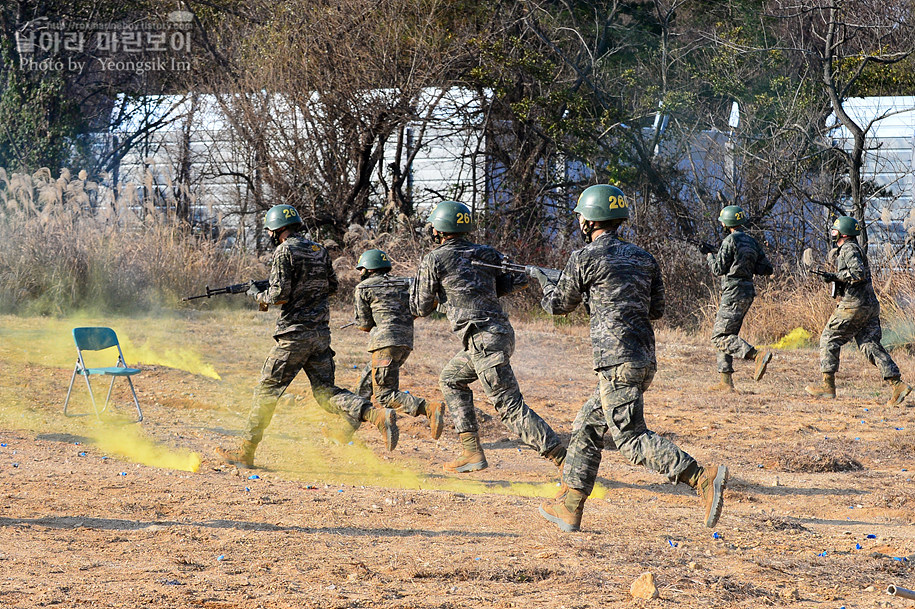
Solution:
(618, 202)
(462, 218)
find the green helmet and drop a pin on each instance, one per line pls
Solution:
(733, 215)
(602, 202)
(373, 260)
(451, 217)
(846, 225)
(279, 216)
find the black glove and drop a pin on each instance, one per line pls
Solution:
(707, 248)
(539, 275)
(253, 291)
(830, 278)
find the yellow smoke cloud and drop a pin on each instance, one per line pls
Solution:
(796, 339)
(130, 443)
(179, 359)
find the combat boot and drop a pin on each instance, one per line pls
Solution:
(900, 391)
(709, 485)
(386, 421)
(565, 511)
(725, 384)
(557, 455)
(762, 362)
(826, 390)
(472, 458)
(436, 415)
(243, 456)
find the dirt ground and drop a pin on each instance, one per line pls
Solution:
(819, 512)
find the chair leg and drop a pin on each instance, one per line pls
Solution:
(108, 396)
(69, 390)
(92, 397)
(136, 402)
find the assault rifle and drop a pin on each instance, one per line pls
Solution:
(509, 267)
(237, 288)
(704, 246)
(836, 287)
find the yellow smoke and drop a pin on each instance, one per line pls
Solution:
(130, 443)
(796, 339)
(179, 359)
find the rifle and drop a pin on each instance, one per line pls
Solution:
(836, 288)
(704, 246)
(509, 267)
(237, 288)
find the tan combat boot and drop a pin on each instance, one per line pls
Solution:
(565, 510)
(243, 456)
(710, 486)
(900, 391)
(826, 390)
(472, 458)
(386, 421)
(762, 358)
(557, 455)
(725, 384)
(436, 415)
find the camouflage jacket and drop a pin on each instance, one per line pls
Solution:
(854, 271)
(301, 279)
(382, 306)
(739, 258)
(624, 286)
(469, 294)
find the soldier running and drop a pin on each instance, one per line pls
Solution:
(622, 285)
(382, 308)
(470, 296)
(738, 259)
(301, 279)
(857, 316)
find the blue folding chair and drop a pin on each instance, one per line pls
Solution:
(99, 339)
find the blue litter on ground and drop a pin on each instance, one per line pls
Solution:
(867, 410)
(872, 536)
(715, 535)
(900, 559)
(857, 546)
(74, 444)
(407, 392)
(247, 490)
(340, 490)
(221, 557)
(857, 439)
(900, 428)
(82, 454)
(673, 544)
(254, 477)
(350, 443)
(3, 445)
(122, 474)
(15, 465)
(822, 554)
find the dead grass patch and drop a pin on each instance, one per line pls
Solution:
(828, 455)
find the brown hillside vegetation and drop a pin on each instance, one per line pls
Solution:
(819, 512)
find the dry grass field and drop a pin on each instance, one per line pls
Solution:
(820, 511)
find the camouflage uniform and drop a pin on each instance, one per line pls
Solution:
(470, 297)
(301, 279)
(382, 307)
(739, 258)
(623, 285)
(857, 315)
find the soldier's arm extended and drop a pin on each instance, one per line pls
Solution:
(561, 298)
(362, 310)
(721, 263)
(850, 267)
(424, 291)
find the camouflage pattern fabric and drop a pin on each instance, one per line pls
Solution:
(381, 377)
(620, 412)
(731, 311)
(854, 271)
(739, 258)
(382, 306)
(301, 279)
(294, 351)
(857, 315)
(624, 286)
(468, 294)
(470, 297)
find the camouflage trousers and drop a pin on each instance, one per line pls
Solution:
(486, 359)
(311, 352)
(381, 377)
(728, 321)
(617, 407)
(863, 325)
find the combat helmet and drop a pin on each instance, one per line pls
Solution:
(451, 217)
(279, 216)
(602, 202)
(733, 215)
(373, 260)
(846, 225)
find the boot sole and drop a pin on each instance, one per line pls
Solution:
(813, 392)
(719, 484)
(902, 396)
(562, 524)
(762, 367)
(467, 468)
(437, 423)
(391, 432)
